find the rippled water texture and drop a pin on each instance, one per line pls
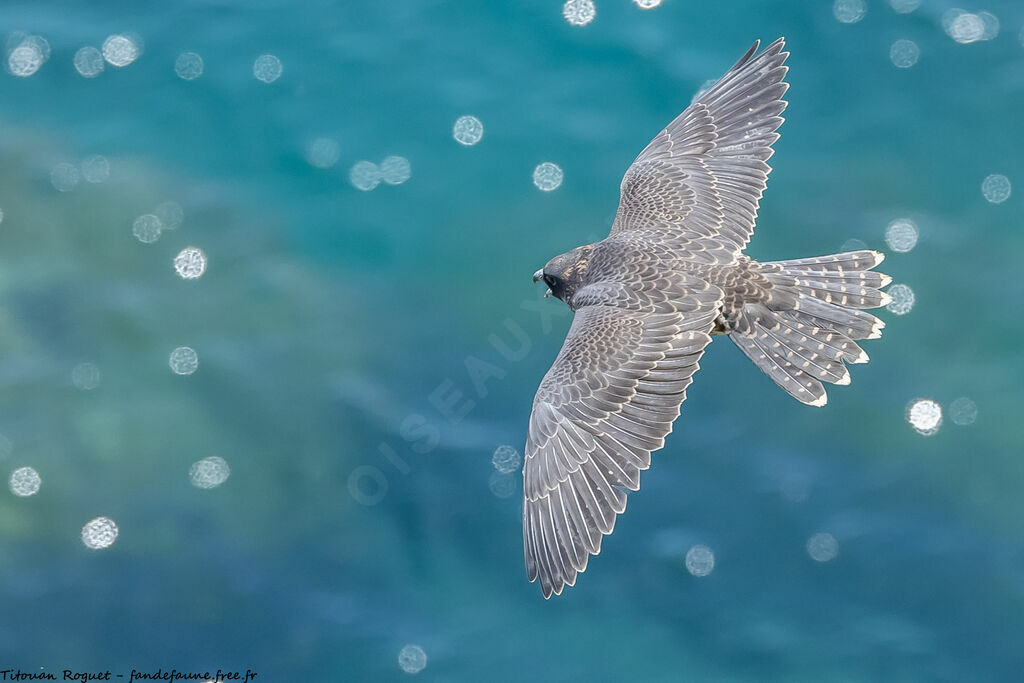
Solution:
(269, 343)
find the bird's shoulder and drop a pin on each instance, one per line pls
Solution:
(641, 260)
(644, 282)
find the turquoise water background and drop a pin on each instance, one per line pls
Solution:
(350, 370)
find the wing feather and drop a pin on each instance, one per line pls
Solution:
(699, 182)
(607, 402)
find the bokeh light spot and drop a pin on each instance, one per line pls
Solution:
(190, 263)
(967, 27)
(904, 53)
(963, 411)
(412, 659)
(209, 472)
(924, 415)
(323, 153)
(25, 59)
(579, 12)
(120, 50)
(901, 235)
(64, 177)
(24, 482)
(364, 175)
(822, 547)
(902, 299)
(147, 228)
(95, 169)
(996, 188)
(267, 68)
(89, 61)
(99, 533)
(395, 170)
(506, 459)
(700, 560)
(849, 11)
(547, 176)
(468, 130)
(188, 66)
(184, 360)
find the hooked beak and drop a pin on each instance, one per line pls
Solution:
(537, 278)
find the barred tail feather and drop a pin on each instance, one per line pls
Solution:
(769, 355)
(843, 292)
(824, 340)
(850, 322)
(805, 332)
(863, 260)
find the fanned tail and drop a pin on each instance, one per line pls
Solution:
(806, 331)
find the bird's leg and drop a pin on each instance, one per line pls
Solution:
(723, 325)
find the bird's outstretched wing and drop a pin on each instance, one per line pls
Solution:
(698, 183)
(607, 402)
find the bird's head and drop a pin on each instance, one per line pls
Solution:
(564, 274)
(552, 281)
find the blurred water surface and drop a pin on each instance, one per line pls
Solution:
(351, 372)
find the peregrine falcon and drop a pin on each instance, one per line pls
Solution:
(648, 298)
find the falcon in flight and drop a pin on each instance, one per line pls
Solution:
(648, 299)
